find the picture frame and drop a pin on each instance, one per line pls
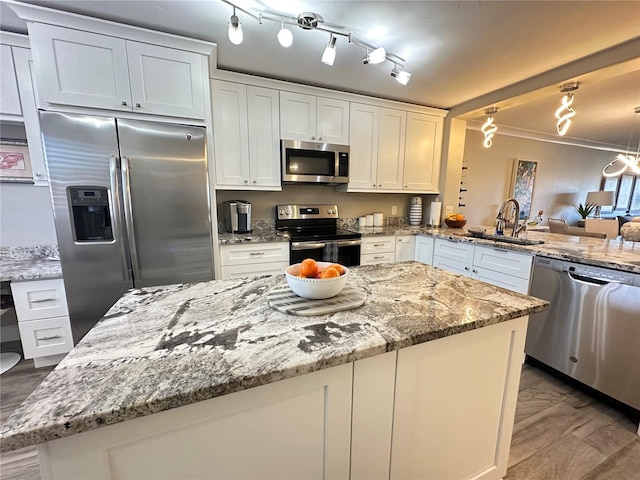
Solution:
(15, 163)
(523, 179)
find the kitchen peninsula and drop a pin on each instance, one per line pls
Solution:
(206, 380)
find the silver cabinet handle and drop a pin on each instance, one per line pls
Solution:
(138, 105)
(43, 300)
(256, 253)
(50, 338)
(124, 104)
(128, 216)
(379, 257)
(378, 244)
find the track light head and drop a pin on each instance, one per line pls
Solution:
(329, 54)
(378, 55)
(235, 29)
(401, 76)
(285, 37)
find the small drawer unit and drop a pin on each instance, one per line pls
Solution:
(242, 261)
(377, 250)
(43, 317)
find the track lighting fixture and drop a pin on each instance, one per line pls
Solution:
(310, 21)
(235, 29)
(565, 113)
(489, 128)
(401, 76)
(285, 37)
(628, 161)
(378, 55)
(329, 54)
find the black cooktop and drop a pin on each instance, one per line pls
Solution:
(311, 234)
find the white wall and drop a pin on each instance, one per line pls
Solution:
(564, 176)
(26, 216)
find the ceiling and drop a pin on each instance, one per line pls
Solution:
(457, 51)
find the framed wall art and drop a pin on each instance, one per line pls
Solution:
(15, 165)
(522, 182)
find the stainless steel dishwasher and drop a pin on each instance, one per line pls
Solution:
(591, 331)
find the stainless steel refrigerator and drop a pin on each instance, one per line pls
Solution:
(131, 207)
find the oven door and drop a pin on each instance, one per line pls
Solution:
(344, 252)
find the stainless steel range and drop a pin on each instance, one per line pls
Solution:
(314, 233)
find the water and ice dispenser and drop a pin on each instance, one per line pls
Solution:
(91, 215)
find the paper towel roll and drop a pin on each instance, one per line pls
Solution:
(434, 213)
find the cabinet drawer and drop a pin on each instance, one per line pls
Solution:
(377, 258)
(39, 299)
(503, 261)
(50, 336)
(454, 250)
(452, 265)
(257, 253)
(245, 271)
(378, 244)
(510, 282)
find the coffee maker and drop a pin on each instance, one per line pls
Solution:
(237, 216)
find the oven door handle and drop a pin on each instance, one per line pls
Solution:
(307, 245)
(349, 243)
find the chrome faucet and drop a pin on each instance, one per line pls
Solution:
(501, 223)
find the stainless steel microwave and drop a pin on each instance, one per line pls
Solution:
(314, 162)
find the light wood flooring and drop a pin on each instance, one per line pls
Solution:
(560, 433)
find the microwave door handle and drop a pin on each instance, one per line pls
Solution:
(349, 243)
(307, 245)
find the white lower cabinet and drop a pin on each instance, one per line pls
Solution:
(405, 248)
(441, 409)
(378, 250)
(456, 257)
(43, 320)
(243, 261)
(424, 249)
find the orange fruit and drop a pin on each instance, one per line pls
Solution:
(308, 267)
(329, 272)
(459, 217)
(338, 267)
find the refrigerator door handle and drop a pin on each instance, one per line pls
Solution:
(116, 215)
(128, 216)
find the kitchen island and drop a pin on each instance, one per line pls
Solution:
(206, 380)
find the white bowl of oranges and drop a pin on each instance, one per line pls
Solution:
(316, 280)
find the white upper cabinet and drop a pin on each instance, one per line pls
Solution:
(9, 94)
(314, 119)
(246, 136)
(423, 150)
(85, 69)
(394, 150)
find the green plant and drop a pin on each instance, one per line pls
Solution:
(585, 210)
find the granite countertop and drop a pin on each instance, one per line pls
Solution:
(29, 263)
(163, 347)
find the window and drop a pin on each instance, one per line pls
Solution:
(627, 194)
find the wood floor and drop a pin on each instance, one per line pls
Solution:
(560, 433)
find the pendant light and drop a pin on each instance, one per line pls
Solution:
(489, 128)
(565, 113)
(626, 162)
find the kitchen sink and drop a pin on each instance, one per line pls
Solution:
(505, 239)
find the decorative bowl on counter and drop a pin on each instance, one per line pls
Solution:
(315, 288)
(455, 223)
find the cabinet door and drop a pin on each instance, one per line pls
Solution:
(297, 116)
(422, 153)
(391, 139)
(25, 75)
(80, 68)
(166, 81)
(452, 265)
(230, 133)
(405, 248)
(455, 250)
(263, 109)
(424, 250)
(332, 121)
(9, 95)
(363, 159)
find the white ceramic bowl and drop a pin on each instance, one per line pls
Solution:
(315, 288)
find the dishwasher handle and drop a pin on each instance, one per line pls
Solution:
(592, 280)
